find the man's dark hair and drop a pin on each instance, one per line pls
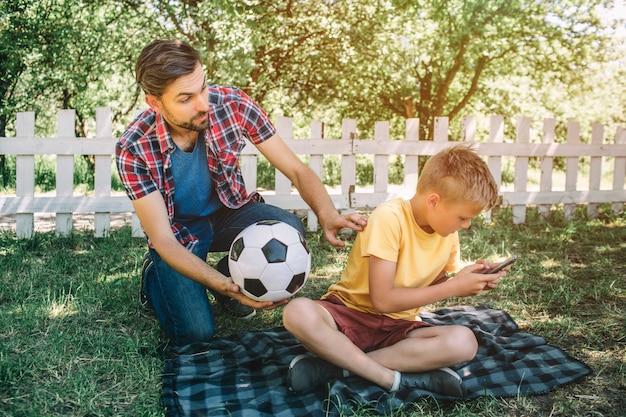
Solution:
(163, 62)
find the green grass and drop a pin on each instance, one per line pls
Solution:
(74, 341)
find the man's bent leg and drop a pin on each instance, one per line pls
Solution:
(180, 304)
(228, 223)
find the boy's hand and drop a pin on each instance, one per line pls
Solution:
(471, 281)
(495, 277)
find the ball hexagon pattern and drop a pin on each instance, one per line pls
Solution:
(269, 260)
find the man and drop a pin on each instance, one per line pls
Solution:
(179, 164)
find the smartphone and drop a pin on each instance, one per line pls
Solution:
(501, 265)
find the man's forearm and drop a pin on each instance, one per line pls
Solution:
(315, 195)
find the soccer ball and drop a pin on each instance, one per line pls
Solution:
(269, 260)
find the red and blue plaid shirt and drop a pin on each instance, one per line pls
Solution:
(143, 153)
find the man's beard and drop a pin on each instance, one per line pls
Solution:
(194, 126)
(190, 125)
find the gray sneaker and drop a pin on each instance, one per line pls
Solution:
(230, 305)
(233, 307)
(441, 381)
(307, 372)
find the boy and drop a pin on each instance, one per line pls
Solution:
(368, 323)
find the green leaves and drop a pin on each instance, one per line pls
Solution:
(368, 60)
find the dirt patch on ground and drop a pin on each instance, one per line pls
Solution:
(45, 222)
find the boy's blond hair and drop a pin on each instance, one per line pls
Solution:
(459, 175)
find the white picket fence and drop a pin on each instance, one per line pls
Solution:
(604, 155)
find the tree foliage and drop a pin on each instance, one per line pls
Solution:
(435, 58)
(369, 60)
(70, 54)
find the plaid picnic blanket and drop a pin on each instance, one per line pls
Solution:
(245, 374)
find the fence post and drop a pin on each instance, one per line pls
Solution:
(595, 169)
(496, 135)
(411, 162)
(65, 170)
(381, 162)
(545, 182)
(571, 168)
(102, 179)
(521, 168)
(25, 175)
(441, 129)
(316, 163)
(468, 129)
(284, 127)
(619, 171)
(468, 134)
(348, 162)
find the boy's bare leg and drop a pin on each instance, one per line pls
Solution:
(428, 348)
(315, 328)
(425, 349)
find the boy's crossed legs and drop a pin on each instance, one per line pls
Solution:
(405, 358)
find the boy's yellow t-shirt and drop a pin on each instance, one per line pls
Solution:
(393, 235)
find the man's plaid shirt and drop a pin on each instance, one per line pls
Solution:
(143, 153)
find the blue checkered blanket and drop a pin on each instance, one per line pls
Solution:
(245, 374)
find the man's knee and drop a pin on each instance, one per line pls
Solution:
(193, 334)
(293, 220)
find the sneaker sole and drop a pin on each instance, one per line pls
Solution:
(452, 373)
(297, 359)
(293, 363)
(339, 373)
(249, 316)
(233, 312)
(449, 371)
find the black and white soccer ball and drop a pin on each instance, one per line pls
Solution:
(269, 260)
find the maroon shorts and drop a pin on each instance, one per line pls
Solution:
(368, 331)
